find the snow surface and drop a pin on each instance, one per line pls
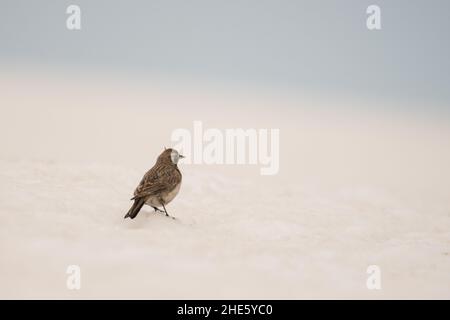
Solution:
(353, 190)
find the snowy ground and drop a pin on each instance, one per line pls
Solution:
(354, 189)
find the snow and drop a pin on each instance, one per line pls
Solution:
(353, 190)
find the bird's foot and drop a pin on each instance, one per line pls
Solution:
(158, 210)
(168, 216)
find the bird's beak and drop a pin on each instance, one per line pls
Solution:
(181, 156)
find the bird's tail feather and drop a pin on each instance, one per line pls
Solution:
(135, 208)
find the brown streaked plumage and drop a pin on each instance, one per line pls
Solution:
(159, 185)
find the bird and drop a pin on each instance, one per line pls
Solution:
(159, 185)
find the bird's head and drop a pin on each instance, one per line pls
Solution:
(170, 156)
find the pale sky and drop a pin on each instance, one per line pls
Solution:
(319, 45)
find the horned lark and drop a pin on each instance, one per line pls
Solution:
(159, 185)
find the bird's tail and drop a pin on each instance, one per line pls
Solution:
(135, 208)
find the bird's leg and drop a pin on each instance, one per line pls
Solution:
(167, 215)
(158, 210)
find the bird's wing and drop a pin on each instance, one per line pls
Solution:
(157, 180)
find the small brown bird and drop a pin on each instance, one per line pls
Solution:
(159, 185)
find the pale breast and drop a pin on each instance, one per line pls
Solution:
(167, 197)
(172, 194)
